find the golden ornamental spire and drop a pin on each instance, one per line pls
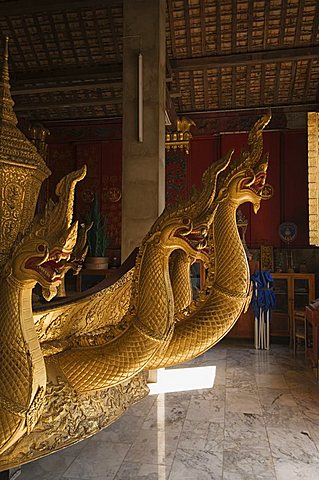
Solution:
(14, 146)
(22, 170)
(6, 103)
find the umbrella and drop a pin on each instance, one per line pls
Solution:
(263, 301)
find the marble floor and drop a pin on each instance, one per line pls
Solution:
(246, 415)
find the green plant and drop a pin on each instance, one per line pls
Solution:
(97, 239)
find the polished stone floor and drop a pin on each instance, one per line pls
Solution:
(246, 415)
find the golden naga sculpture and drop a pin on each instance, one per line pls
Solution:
(72, 367)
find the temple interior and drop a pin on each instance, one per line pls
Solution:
(252, 414)
(140, 98)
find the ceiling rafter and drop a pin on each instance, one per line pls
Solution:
(296, 107)
(34, 52)
(66, 88)
(292, 83)
(266, 24)
(223, 55)
(233, 94)
(234, 24)
(315, 24)
(112, 27)
(251, 58)
(99, 37)
(26, 107)
(250, 15)
(70, 38)
(13, 36)
(42, 39)
(218, 28)
(308, 74)
(69, 74)
(247, 95)
(21, 7)
(203, 27)
(188, 28)
(84, 36)
(299, 21)
(206, 99)
(277, 83)
(283, 22)
(262, 84)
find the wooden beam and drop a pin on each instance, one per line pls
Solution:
(56, 39)
(218, 29)
(248, 81)
(21, 7)
(29, 39)
(67, 75)
(171, 26)
(192, 89)
(219, 88)
(266, 24)
(206, 98)
(301, 5)
(283, 15)
(233, 24)
(297, 107)
(307, 81)
(13, 36)
(277, 83)
(317, 95)
(67, 30)
(292, 82)
(99, 37)
(43, 41)
(315, 24)
(252, 58)
(203, 27)
(187, 28)
(262, 84)
(63, 88)
(29, 107)
(114, 34)
(233, 88)
(250, 15)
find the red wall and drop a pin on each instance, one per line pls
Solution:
(287, 173)
(100, 147)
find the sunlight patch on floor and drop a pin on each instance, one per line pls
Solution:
(183, 379)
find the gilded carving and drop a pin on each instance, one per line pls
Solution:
(94, 313)
(72, 370)
(60, 426)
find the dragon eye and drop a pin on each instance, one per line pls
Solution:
(41, 248)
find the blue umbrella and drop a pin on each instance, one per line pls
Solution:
(263, 301)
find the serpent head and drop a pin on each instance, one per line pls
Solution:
(245, 180)
(45, 253)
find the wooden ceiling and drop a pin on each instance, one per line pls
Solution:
(66, 56)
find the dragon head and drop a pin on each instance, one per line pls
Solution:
(44, 253)
(80, 250)
(241, 181)
(245, 180)
(186, 225)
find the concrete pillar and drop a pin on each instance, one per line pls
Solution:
(143, 195)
